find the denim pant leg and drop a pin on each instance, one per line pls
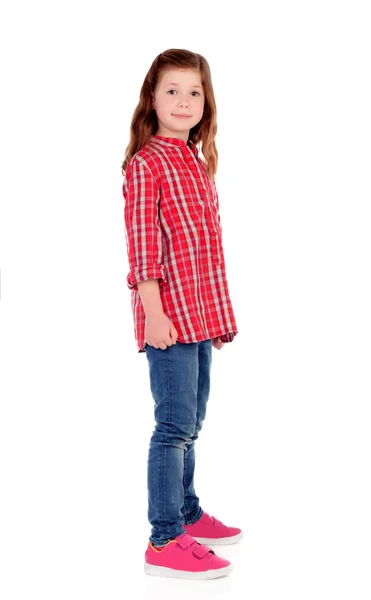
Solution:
(174, 380)
(192, 510)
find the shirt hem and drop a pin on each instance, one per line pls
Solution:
(233, 333)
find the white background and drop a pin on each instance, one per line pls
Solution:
(285, 449)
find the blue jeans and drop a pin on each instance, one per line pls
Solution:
(180, 386)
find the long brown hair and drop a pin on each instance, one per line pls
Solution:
(144, 121)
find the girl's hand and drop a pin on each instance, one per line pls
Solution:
(217, 343)
(159, 331)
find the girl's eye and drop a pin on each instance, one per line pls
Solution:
(175, 91)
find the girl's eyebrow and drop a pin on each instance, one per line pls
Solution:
(173, 83)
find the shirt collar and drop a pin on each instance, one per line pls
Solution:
(172, 141)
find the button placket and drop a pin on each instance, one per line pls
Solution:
(213, 230)
(192, 165)
(210, 215)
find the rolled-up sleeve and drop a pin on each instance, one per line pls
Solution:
(142, 226)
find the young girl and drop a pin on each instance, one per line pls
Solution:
(179, 299)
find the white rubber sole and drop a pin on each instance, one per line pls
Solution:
(220, 541)
(166, 572)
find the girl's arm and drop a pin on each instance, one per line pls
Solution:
(143, 231)
(149, 291)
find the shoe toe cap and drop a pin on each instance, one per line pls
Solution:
(234, 530)
(217, 562)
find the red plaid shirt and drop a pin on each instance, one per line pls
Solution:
(173, 234)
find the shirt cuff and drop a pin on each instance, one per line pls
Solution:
(141, 273)
(228, 337)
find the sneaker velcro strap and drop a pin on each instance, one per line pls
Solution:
(185, 541)
(200, 550)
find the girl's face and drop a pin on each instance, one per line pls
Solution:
(178, 92)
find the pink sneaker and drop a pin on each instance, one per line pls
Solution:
(185, 558)
(208, 530)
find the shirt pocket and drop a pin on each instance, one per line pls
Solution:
(182, 206)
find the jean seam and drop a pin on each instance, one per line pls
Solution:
(168, 409)
(184, 488)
